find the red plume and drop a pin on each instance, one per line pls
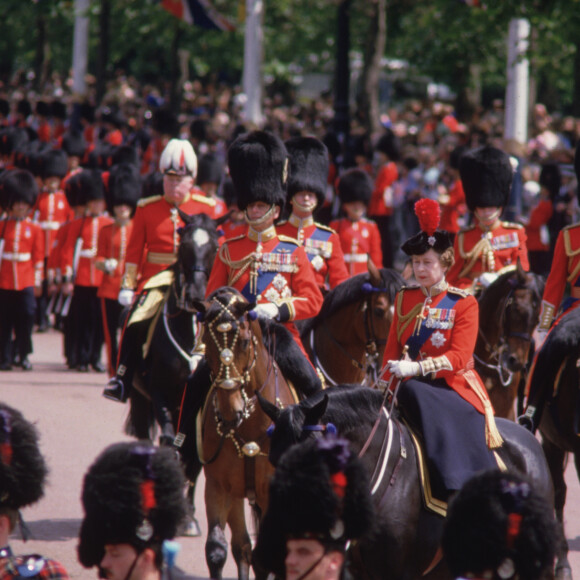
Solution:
(428, 213)
(148, 495)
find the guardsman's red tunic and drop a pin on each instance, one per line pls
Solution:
(537, 229)
(214, 208)
(322, 247)
(112, 245)
(269, 268)
(50, 211)
(453, 207)
(232, 230)
(478, 251)
(382, 199)
(359, 240)
(440, 332)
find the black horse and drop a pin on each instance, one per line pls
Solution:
(555, 375)
(407, 536)
(173, 339)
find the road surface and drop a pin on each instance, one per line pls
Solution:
(76, 423)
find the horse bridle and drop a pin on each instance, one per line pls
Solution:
(180, 295)
(495, 353)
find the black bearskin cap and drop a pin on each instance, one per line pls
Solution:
(486, 174)
(18, 185)
(125, 154)
(228, 192)
(24, 107)
(4, 107)
(58, 110)
(390, 145)
(73, 143)
(551, 178)
(165, 123)
(210, 169)
(54, 164)
(124, 186)
(320, 490)
(22, 467)
(456, 154)
(152, 185)
(499, 521)
(87, 112)
(308, 167)
(12, 139)
(133, 494)
(84, 186)
(43, 109)
(355, 185)
(258, 164)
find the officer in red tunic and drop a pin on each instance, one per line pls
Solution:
(23, 474)
(359, 237)
(453, 201)
(50, 211)
(81, 276)
(430, 349)
(209, 176)
(21, 267)
(489, 247)
(123, 193)
(306, 191)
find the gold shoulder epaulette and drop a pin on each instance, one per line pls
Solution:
(512, 225)
(325, 228)
(288, 239)
(203, 199)
(147, 200)
(463, 293)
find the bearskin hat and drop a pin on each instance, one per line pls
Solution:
(228, 192)
(486, 174)
(165, 123)
(551, 178)
(22, 468)
(54, 164)
(456, 154)
(428, 213)
(125, 154)
(210, 170)
(152, 185)
(43, 109)
(113, 117)
(12, 139)
(258, 164)
(58, 110)
(84, 186)
(24, 108)
(4, 107)
(124, 186)
(355, 185)
(87, 112)
(390, 145)
(18, 185)
(308, 167)
(319, 491)
(178, 158)
(133, 494)
(73, 143)
(499, 523)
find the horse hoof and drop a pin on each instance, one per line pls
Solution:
(192, 529)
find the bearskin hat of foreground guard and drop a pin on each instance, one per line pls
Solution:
(132, 494)
(319, 491)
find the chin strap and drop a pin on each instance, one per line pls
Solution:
(260, 220)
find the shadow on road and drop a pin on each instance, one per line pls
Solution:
(54, 530)
(574, 544)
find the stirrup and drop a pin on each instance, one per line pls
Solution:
(526, 420)
(115, 391)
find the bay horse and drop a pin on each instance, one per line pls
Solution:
(555, 370)
(231, 428)
(347, 338)
(175, 342)
(406, 540)
(509, 310)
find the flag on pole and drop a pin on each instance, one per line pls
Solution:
(199, 13)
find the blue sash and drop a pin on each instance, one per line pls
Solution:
(416, 341)
(265, 278)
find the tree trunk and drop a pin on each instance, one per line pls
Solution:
(42, 57)
(103, 51)
(175, 73)
(375, 50)
(576, 96)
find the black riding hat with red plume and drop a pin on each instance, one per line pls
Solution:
(428, 213)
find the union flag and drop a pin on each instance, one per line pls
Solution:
(199, 13)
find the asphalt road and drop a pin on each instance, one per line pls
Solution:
(76, 423)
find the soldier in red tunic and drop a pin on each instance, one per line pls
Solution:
(209, 176)
(430, 349)
(453, 201)
(306, 191)
(21, 267)
(123, 193)
(81, 276)
(359, 237)
(489, 247)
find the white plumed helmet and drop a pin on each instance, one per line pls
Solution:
(178, 158)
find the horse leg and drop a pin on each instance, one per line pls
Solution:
(217, 507)
(556, 460)
(140, 420)
(241, 544)
(162, 414)
(191, 528)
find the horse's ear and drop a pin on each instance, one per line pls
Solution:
(522, 274)
(219, 221)
(374, 273)
(187, 219)
(269, 408)
(313, 415)
(200, 306)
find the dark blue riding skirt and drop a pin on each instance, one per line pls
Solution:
(453, 432)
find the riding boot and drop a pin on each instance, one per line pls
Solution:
(534, 408)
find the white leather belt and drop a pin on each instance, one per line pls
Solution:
(17, 257)
(87, 253)
(49, 225)
(355, 258)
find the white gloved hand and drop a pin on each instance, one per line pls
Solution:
(488, 278)
(539, 336)
(126, 297)
(269, 311)
(111, 265)
(404, 368)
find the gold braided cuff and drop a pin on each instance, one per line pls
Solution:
(433, 365)
(129, 281)
(546, 316)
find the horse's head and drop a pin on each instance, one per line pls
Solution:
(293, 424)
(231, 336)
(195, 256)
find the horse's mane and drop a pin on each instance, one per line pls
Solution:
(349, 406)
(351, 291)
(496, 292)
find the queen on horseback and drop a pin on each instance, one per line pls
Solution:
(430, 365)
